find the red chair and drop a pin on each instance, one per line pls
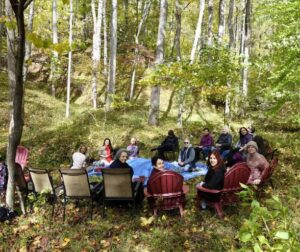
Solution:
(22, 156)
(165, 191)
(267, 173)
(239, 173)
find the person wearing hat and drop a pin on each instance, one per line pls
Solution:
(256, 162)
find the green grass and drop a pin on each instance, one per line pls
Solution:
(51, 139)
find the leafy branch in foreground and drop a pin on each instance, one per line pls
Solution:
(269, 227)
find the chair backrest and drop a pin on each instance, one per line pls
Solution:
(22, 156)
(20, 178)
(165, 184)
(117, 183)
(41, 180)
(76, 183)
(239, 173)
(267, 173)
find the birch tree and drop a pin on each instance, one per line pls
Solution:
(69, 60)
(198, 31)
(104, 40)
(176, 43)
(54, 59)
(113, 55)
(96, 54)
(28, 43)
(15, 62)
(246, 46)
(210, 23)
(136, 50)
(159, 59)
(221, 26)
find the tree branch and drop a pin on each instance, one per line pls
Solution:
(26, 3)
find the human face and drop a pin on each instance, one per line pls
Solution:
(251, 149)
(225, 130)
(160, 165)
(206, 132)
(213, 160)
(123, 157)
(106, 142)
(244, 131)
(133, 141)
(186, 143)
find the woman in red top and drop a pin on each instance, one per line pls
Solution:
(106, 152)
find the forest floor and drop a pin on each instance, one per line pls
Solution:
(51, 139)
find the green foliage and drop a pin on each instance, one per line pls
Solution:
(269, 227)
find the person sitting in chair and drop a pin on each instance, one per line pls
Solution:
(256, 162)
(157, 164)
(106, 153)
(186, 159)
(79, 158)
(214, 179)
(169, 144)
(133, 149)
(224, 142)
(205, 145)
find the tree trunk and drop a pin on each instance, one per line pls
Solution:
(54, 60)
(210, 22)
(246, 47)
(198, 31)
(104, 41)
(15, 61)
(96, 54)
(231, 24)
(176, 43)
(221, 27)
(69, 60)
(27, 43)
(159, 59)
(136, 50)
(113, 55)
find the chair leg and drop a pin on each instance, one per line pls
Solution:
(103, 209)
(181, 211)
(219, 210)
(271, 183)
(64, 213)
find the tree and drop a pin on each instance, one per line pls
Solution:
(15, 62)
(28, 43)
(198, 31)
(159, 59)
(210, 22)
(96, 54)
(221, 26)
(113, 55)
(69, 60)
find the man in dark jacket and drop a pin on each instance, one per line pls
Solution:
(186, 158)
(169, 144)
(224, 142)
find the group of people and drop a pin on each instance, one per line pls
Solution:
(220, 156)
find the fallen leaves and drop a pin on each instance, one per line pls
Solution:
(146, 222)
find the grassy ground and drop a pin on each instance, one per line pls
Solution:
(52, 138)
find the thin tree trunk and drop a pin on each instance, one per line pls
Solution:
(231, 24)
(96, 54)
(69, 60)
(198, 31)
(247, 47)
(221, 26)
(210, 22)
(54, 60)
(237, 31)
(176, 43)
(15, 62)
(159, 59)
(113, 55)
(136, 50)
(104, 41)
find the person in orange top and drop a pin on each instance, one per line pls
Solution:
(106, 152)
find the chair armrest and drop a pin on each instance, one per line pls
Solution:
(203, 189)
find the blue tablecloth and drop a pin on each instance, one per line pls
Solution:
(143, 167)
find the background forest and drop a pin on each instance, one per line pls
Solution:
(96, 69)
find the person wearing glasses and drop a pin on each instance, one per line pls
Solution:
(186, 159)
(256, 162)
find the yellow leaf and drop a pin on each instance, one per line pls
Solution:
(23, 249)
(145, 222)
(105, 243)
(65, 243)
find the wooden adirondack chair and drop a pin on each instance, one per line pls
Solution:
(165, 191)
(239, 173)
(267, 173)
(22, 156)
